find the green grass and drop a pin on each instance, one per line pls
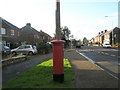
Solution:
(41, 76)
(70, 50)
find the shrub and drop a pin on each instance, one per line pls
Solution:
(43, 48)
(117, 44)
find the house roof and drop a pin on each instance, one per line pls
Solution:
(116, 28)
(30, 30)
(8, 24)
(41, 32)
(108, 32)
(34, 31)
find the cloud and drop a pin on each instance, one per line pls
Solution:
(89, 0)
(115, 14)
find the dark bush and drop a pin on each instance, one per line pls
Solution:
(44, 48)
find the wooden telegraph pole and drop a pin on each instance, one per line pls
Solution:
(58, 29)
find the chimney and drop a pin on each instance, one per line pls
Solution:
(41, 31)
(101, 31)
(105, 30)
(28, 24)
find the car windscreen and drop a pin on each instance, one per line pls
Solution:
(107, 44)
(6, 48)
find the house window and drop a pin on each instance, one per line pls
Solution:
(3, 31)
(12, 32)
(36, 36)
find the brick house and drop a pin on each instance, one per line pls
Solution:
(112, 36)
(9, 34)
(12, 36)
(116, 37)
(29, 35)
(45, 37)
(101, 37)
(96, 39)
(108, 36)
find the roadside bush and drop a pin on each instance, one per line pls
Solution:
(117, 44)
(44, 48)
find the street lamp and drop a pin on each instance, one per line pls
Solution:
(112, 30)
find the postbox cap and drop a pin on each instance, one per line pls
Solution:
(58, 42)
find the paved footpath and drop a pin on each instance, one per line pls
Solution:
(15, 69)
(87, 74)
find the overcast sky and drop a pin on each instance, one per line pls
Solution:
(85, 18)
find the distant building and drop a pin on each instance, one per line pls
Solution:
(9, 34)
(116, 35)
(91, 41)
(101, 37)
(111, 36)
(108, 37)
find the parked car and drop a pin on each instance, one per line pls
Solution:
(5, 50)
(82, 44)
(107, 45)
(25, 49)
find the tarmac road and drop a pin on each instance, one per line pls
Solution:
(106, 58)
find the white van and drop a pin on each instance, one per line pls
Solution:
(107, 45)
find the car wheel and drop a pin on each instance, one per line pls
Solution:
(14, 53)
(30, 53)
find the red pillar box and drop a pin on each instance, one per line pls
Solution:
(58, 64)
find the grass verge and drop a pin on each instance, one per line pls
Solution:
(70, 50)
(40, 76)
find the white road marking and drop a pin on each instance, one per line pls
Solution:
(106, 53)
(114, 49)
(109, 54)
(87, 58)
(112, 55)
